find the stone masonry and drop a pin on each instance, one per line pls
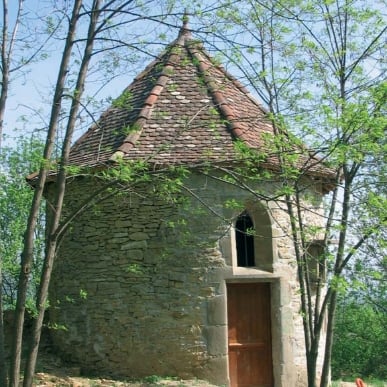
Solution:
(139, 284)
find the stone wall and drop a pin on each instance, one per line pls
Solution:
(139, 284)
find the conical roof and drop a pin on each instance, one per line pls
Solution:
(182, 109)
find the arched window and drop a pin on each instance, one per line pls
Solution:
(244, 238)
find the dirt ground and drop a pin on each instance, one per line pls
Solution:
(51, 372)
(51, 380)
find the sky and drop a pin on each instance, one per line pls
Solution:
(30, 97)
(30, 91)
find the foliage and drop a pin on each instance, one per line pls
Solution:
(308, 61)
(360, 346)
(15, 200)
(319, 69)
(360, 332)
(89, 29)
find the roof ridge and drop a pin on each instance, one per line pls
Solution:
(219, 99)
(238, 84)
(146, 111)
(184, 35)
(185, 32)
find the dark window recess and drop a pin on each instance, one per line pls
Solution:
(244, 240)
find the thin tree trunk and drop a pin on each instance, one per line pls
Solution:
(27, 254)
(325, 375)
(311, 363)
(3, 367)
(3, 100)
(4, 69)
(6, 53)
(58, 203)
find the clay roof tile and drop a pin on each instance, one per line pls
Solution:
(183, 109)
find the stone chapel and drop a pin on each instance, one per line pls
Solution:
(145, 287)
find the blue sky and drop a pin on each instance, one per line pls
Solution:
(31, 91)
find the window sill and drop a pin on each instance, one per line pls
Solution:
(252, 272)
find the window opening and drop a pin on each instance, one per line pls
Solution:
(244, 237)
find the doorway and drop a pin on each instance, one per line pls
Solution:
(249, 335)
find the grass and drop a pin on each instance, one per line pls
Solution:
(155, 379)
(369, 382)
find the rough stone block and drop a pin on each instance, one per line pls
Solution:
(134, 245)
(123, 223)
(216, 338)
(139, 236)
(216, 311)
(215, 371)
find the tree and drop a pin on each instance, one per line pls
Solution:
(360, 340)
(295, 43)
(318, 67)
(100, 35)
(7, 47)
(15, 200)
(17, 52)
(360, 329)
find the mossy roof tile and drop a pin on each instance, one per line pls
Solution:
(182, 109)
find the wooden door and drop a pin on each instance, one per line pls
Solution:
(249, 335)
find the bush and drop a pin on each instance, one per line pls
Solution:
(360, 342)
